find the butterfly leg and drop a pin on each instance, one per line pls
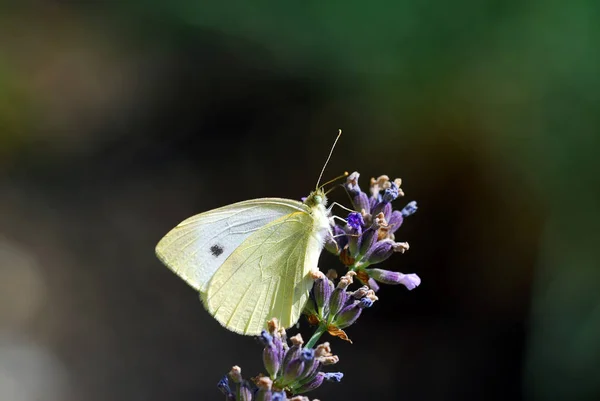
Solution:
(339, 218)
(341, 206)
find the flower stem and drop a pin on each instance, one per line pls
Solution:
(315, 337)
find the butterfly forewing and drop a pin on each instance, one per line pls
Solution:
(267, 276)
(196, 248)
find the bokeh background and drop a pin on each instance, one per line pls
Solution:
(118, 120)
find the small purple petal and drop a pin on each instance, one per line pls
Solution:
(365, 303)
(409, 209)
(307, 354)
(334, 377)
(373, 285)
(410, 281)
(265, 337)
(390, 194)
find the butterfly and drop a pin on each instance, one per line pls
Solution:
(253, 260)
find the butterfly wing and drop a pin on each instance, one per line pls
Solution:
(267, 276)
(196, 248)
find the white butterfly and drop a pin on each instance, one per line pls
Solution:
(253, 260)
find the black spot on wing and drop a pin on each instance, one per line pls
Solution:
(216, 250)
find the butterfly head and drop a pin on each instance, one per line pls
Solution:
(316, 198)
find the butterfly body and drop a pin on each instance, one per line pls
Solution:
(252, 260)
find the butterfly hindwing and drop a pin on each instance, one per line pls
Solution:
(196, 248)
(268, 275)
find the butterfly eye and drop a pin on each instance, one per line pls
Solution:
(318, 199)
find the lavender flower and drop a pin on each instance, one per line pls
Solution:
(334, 308)
(369, 234)
(293, 369)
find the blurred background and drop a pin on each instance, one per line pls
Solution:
(118, 120)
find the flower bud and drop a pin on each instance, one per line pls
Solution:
(291, 354)
(311, 363)
(337, 300)
(348, 315)
(322, 290)
(292, 371)
(380, 251)
(368, 239)
(311, 384)
(272, 354)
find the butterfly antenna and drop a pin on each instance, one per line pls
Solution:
(335, 179)
(328, 157)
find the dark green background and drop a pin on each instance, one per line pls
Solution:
(118, 120)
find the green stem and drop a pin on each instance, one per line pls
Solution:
(315, 337)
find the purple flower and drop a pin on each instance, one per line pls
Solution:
(292, 368)
(223, 385)
(279, 396)
(369, 237)
(390, 194)
(410, 281)
(334, 377)
(409, 209)
(355, 220)
(344, 307)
